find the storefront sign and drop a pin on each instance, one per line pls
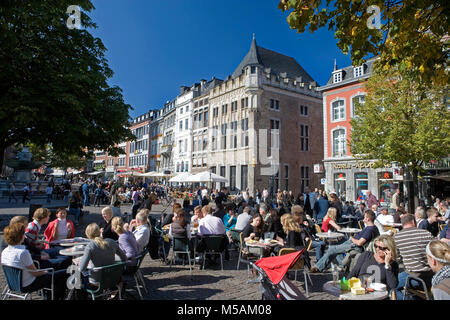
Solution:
(443, 163)
(358, 165)
(318, 168)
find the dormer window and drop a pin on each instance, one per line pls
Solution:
(337, 76)
(358, 71)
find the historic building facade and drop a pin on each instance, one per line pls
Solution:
(348, 177)
(263, 127)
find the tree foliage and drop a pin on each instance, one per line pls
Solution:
(402, 120)
(53, 81)
(411, 31)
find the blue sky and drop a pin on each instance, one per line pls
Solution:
(156, 46)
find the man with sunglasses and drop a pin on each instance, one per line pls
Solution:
(411, 243)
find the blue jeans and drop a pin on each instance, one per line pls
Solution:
(318, 245)
(86, 198)
(334, 252)
(76, 212)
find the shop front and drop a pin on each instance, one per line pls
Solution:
(351, 180)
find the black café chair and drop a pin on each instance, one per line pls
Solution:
(213, 246)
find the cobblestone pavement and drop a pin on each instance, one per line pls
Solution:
(176, 282)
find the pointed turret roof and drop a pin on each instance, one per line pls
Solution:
(277, 62)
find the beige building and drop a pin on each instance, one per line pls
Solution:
(265, 124)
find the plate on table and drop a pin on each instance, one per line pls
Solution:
(273, 241)
(378, 286)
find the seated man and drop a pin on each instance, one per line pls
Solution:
(337, 252)
(211, 225)
(430, 224)
(411, 243)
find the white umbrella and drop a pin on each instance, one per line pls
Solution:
(182, 177)
(147, 174)
(95, 173)
(207, 176)
(160, 174)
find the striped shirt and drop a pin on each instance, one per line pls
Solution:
(411, 244)
(32, 232)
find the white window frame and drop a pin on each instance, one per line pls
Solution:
(337, 76)
(358, 71)
(344, 106)
(352, 106)
(344, 154)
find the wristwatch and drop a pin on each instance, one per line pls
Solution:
(387, 267)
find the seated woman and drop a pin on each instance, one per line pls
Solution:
(180, 227)
(294, 237)
(329, 221)
(255, 229)
(438, 255)
(15, 255)
(382, 263)
(229, 220)
(127, 241)
(308, 233)
(98, 253)
(274, 224)
(60, 228)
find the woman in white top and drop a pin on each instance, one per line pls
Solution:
(15, 255)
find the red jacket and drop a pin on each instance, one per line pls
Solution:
(50, 230)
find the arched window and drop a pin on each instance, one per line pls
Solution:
(358, 98)
(339, 143)
(338, 110)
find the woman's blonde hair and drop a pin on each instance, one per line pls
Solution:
(93, 233)
(331, 213)
(19, 219)
(440, 250)
(389, 242)
(117, 225)
(289, 224)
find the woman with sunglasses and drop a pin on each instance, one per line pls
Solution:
(381, 263)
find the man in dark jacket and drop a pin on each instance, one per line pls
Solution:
(320, 209)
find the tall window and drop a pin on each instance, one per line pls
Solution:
(244, 177)
(339, 143)
(274, 136)
(304, 178)
(214, 135)
(304, 111)
(224, 136)
(234, 106)
(186, 124)
(338, 110)
(244, 132)
(244, 102)
(181, 125)
(304, 138)
(233, 142)
(224, 109)
(205, 119)
(274, 104)
(360, 99)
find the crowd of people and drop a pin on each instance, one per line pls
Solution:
(421, 245)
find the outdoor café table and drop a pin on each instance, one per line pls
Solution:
(261, 246)
(334, 288)
(349, 231)
(70, 242)
(329, 236)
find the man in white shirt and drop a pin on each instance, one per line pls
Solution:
(142, 232)
(384, 217)
(209, 224)
(243, 219)
(204, 193)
